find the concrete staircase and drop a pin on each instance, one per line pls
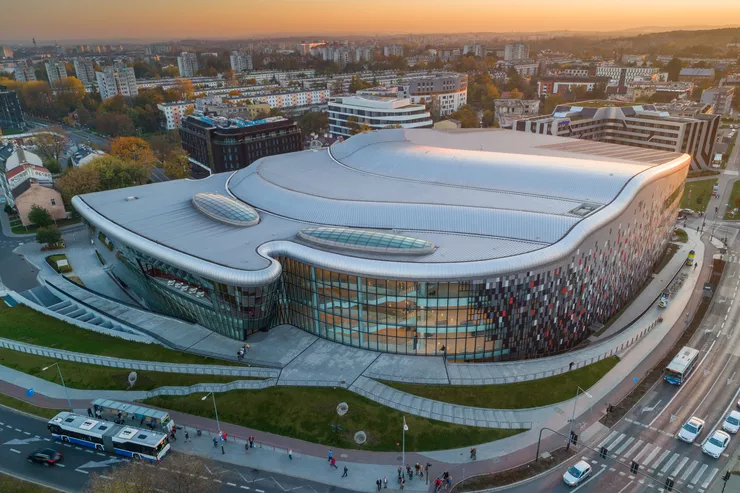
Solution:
(82, 314)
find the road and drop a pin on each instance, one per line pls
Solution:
(21, 434)
(15, 272)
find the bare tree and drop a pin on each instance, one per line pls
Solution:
(51, 144)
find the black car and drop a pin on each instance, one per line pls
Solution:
(46, 456)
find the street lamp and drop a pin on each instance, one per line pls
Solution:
(573, 417)
(62, 379)
(214, 409)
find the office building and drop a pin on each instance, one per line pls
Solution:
(351, 114)
(241, 62)
(696, 75)
(187, 64)
(11, 115)
(469, 245)
(222, 144)
(85, 70)
(516, 51)
(118, 79)
(644, 126)
(174, 113)
(720, 97)
(24, 71)
(56, 71)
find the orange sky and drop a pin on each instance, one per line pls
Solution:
(170, 19)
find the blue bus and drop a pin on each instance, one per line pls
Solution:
(679, 369)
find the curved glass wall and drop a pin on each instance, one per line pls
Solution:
(366, 240)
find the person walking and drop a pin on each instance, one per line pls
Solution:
(385, 482)
(378, 482)
(187, 436)
(400, 474)
(330, 455)
(449, 482)
(89, 413)
(403, 482)
(344, 474)
(215, 442)
(437, 484)
(333, 463)
(172, 433)
(290, 454)
(251, 441)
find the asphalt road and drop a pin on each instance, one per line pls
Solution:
(15, 272)
(21, 434)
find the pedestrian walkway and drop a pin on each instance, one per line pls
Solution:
(7, 231)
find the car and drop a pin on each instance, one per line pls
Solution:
(45, 456)
(716, 444)
(732, 422)
(577, 473)
(688, 212)
(691, 429)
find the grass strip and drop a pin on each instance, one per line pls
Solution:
(519, 395)
(26, 407)
(696, 194)
(10, 484)
(308, 413)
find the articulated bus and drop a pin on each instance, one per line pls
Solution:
(107, 436)
(679, 369)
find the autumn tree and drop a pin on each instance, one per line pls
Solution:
(551, 102)
(48, 235)
(133, 149)
(116, 173)
(116, 104)
(515, 94)
(165, 144)
(185, 89)
(40, 216)
(37, 97)
(114, 124)
(51, 144)
(78, 181)
(68, 94)
(313, 122)
(466, 116)
(674, 68)
(488, 118)
(177, 166)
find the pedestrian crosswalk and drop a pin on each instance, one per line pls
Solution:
(660, 462)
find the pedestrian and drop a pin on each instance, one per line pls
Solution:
(89, 413)
(445, 475)
(330, 455)
(215, 442)
(378, 482)
(333, 463)
(449, 482)
(290, 453)
(119, 415)
(187, 436)
(240, 354)
(344, 474)
(570, 366)
(385, 482)
(437, 484)
(172, 433)
(403, 482)
(400, 474)
(417, 468)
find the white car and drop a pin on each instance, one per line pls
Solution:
(732, 422)
(691, 430)
(577, 473)
(716, 444)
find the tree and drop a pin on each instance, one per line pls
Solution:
(313, 122)
(51, 144)
(48, 235)
(116, 173)
(355, 127)
(114, 124)
(68, 94)
(116, 104)
(674, 69)
(165, 144)
(466, 116)
(515, 94)
(337, 87)
(177, 166)
(37, 97)
(356, 83)
(40, 216)
(133, 149)
(78, 181)
(551, 102)
(580, 92)
(488, 118)
(184, 89)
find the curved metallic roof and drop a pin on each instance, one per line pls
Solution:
(366, 241)
(225, 209)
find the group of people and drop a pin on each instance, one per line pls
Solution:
(445, 480)
(242, 351)
(381, 483)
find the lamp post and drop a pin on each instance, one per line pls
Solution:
(573, 416)
(62, 379)
(215, 409)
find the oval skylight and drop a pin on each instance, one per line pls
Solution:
(366, 241)
(225, 209)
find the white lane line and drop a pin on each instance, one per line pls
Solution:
(722, 416)
(618, 440)
(244, 487)
(2, 424)
(261, 491)
(47, 439)
(680, 465)
(105, 477)
(16, 429)
(626, 444)
(78, 448)
(231, 484)
(699, 474)
(611, 435)
(642, 452)
(661, 458)
(689, 470)
(709, 479)
(82, 471)
(669, 463)
(634, 449)
(713, 384)
(628, 485)
(16, 451)
(89, 451)
(26, 433)
(59, 465)
(103, 455)
(684, 386)
(652, 455)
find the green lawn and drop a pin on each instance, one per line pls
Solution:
(18, 228)
(681, 235)
(10, 484)
(733, 198)
(521, 395)
(696, 194)
(27, 408)
(307, 413)
(53, 260)
(24, 324)
(94, 377)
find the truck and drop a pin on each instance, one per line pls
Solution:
(690, 258)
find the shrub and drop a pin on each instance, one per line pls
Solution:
(55, 260)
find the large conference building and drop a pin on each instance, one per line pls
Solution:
(478, 245)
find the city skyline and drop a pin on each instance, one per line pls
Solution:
(166, 19)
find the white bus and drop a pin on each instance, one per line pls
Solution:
(107, 436)
(681, 367)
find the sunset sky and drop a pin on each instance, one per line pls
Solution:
(169, 19)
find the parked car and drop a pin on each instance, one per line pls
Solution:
(691, 429)
(732, 422)
(716, 444)
(45, 456)
(577, 473)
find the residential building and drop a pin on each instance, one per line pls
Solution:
(221, 144)
(668, 90)
(85, 70)
(174, 113)
(56, 71)
(508, 111)
(18, 169)
(232, 107)
(187, 64)
(118, 79)
(644, 126)
(562, 84)
(516, 51)
(6, 52)
(11, 115)
(32, 193)
(157, 49)
(349, 114)
(393, 50)
(621, 76)
(471, 246)
(524, 67)
(578, 72)
(720, 97)
(24, 71)
(446, 92)
(696, 75)
(82, 155)
(241, 62)
(364, 54)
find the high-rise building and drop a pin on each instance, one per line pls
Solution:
(720, 97)
(516, 51)
(187, 64)
(6, 52)
(11, 115)
(241, 62)
(117, 79)
(393, 50)
(84, 70)
(56, 71)
(24, 72)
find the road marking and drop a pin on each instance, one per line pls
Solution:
(231, 484)
(642, 452)
(689, 470)
(616, 442)
(626, 444)
(680, 465)
(103, 455)
(652, 455)
(105, 477)
(628, 485)
(78, 448)
(47, 439)
(700, 473)
(16, 429)
(611, 435)
(16, 451)
(82, 471)
(622, 473)
(261, 491)
(89, 451)
(217, 480)
(612, 469)
(634, 449)
(60, 465)
(67, 445)
(244, 487)
(26, 433)
(669, 463)
(709, 479)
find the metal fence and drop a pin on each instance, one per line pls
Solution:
(213, 387)
(128, 364)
